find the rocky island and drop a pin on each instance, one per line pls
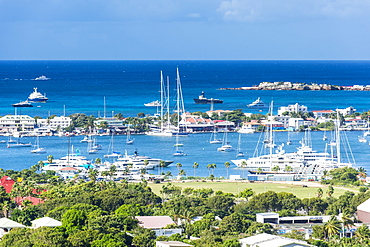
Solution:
(300, 86)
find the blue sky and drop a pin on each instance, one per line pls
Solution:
(184, 29)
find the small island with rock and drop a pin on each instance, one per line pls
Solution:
(283, 85)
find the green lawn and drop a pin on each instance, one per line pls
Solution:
(235, 187)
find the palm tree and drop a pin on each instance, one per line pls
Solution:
(178, 165)
(162, 163)
(112, 171)
(259, 170)
(363, 233)
(227, 165)
(195, 166)
(347, 219)
(288, 169)
(330, 191)
(213, 167)
(93, 175)
(319, 192)
(182, 173)
(50, 159)
(6, 208)
(361, 172)
(209, 169)
(276, 168)
(243, 166)
(332, 227)
(97, 161)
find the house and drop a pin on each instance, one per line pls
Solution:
(347, 111)
(45, 221)
(322, 113)
(363, 211)
(7, 183)
(13, 123)
(268, 240)
(292, 108)
(195, 123)
(55, 123)
(67, 172)
(156, 223)
(7, 224)
(171, 244)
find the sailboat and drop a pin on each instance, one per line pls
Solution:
(180, 107)
(289, 142)
(128, 138)
(18, 144)
(164, 126)
(37, 149)
(214, 139)
(367, 133)
(239, 153)
(226, 147)
(91, 149)
(178, 152)
(111, 152)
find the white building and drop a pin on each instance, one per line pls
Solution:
(268, 240)
(322, 113)
(55, 123)
(13, 123)
(296, 122)
(292, 108)
(347, 111)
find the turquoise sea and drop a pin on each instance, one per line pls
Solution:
(81, 86)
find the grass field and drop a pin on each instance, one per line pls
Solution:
(236, 187)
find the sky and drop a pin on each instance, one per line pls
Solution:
(184, 29)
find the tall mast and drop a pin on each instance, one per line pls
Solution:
(338, 138)
(162, 97)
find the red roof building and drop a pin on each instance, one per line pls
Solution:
(7, 183)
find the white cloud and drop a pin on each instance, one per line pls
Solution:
(270, 10)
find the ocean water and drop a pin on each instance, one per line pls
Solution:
(81, 86)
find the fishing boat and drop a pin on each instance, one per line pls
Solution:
(23, 104)
(37, 149)
(257, 104)
(203, 100)
(37, 97)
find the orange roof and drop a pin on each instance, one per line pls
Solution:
(68, 169)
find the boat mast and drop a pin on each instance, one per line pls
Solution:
(180, 99)
(338, 138)
(162, 103)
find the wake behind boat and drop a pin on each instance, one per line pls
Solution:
(203, 100)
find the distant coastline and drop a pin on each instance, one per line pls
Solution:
(301, 87)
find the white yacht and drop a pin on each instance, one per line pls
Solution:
(155, 103)
(42, 78)
(257, 104)
(37, 97)
(72, 160)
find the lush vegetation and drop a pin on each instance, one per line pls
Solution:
(102, 213)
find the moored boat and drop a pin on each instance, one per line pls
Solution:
(203, 100)
(23, 104)
(37, 97)
(42, 78)
(257, 104)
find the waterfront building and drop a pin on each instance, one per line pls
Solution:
(347, 111)
(111, 122)
(322, 113)
(55, 123)
(219, 113)
(194, 123)
(295, 123)
(292, 108)
(13, 123)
